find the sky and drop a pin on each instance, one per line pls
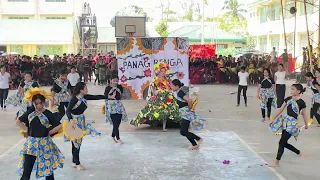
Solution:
(105, 12)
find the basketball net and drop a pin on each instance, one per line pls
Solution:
(130, 34)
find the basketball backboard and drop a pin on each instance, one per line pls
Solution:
(130, 26)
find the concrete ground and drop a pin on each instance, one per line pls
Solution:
(233, 133)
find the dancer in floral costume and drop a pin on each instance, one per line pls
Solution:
(161, 104)
(39, 152)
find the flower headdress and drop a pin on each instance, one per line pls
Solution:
(157, 67)
(34, 91)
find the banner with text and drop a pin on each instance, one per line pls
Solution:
(136, 57)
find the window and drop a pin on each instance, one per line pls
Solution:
(107, 48)
(18, 18)
(263, 14)
(16, 48)
(275, 42)
(310, 8)
(56, 18)
(17, 0)
(49, 50)
(274, 12)
(55, 0)
(263, 44)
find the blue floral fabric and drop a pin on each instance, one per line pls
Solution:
(63, 95)
(290, 124)
(48, 156)
(115, 107)
(265, 94)
(81, 123)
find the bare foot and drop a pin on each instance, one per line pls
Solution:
(276, 164)
(73, 165)
(80, 167)
(165, 130)
(114, 140)
(302, 156)
(263, 120)
(196, 147)
(200, 141)
(121, 142)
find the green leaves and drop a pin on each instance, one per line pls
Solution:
(162, 28)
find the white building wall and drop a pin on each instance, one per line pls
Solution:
(56, 7)
(269, 31)
(39, 7)
(7, 7)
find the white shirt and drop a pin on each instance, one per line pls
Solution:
(4, 80)
(280, 77)
(243, 78)
(73, 78)
(273, 55)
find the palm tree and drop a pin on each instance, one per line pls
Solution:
(234, 9)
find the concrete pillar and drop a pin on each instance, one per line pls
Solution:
(269, 48)
(281, 44)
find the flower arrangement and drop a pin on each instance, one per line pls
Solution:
(163, 106)
(161, 84)
(157, 67)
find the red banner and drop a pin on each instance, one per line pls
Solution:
(202, 51)
(291, 63)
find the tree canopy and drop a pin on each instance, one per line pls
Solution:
(131, 10)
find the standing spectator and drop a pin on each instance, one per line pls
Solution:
(274, 55)
(73, 78)
(80, 67)
(4, 86)
(243, 85)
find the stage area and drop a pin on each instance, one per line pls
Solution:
(156, 156)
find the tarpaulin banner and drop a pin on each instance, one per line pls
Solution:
(202, 51)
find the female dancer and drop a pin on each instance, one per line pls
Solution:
(288, 123)
(161, 105)
(17, 99)
(315, 103)
(115, 111)
(39, 152)
(279, 77)
(266, 94)
(61, 93)
(187, 114)
(5, 80)
(75, 114)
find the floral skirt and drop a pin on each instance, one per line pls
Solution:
(61, 97)
(197, 122)
(87, 129)
(49, 157)
(160, 107)
(288, 123)
(266, 94)
(115, 107)
(14, 100)
(24, 107)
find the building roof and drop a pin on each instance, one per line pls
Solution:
(253, 3)
(211, 33)
(36, 31)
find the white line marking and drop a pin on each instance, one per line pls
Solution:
(253, 143)
(254, 152)
(11, 149)
(264, 152)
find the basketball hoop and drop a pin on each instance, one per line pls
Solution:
(130, 34)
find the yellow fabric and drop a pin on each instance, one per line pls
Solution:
(34, 91)
(194, 104)
(103, 109)
(64, 125)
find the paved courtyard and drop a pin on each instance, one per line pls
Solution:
(234, 134)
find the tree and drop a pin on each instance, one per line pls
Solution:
(131, 10)
(162, 28)
(234, 9)
(192, 10)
